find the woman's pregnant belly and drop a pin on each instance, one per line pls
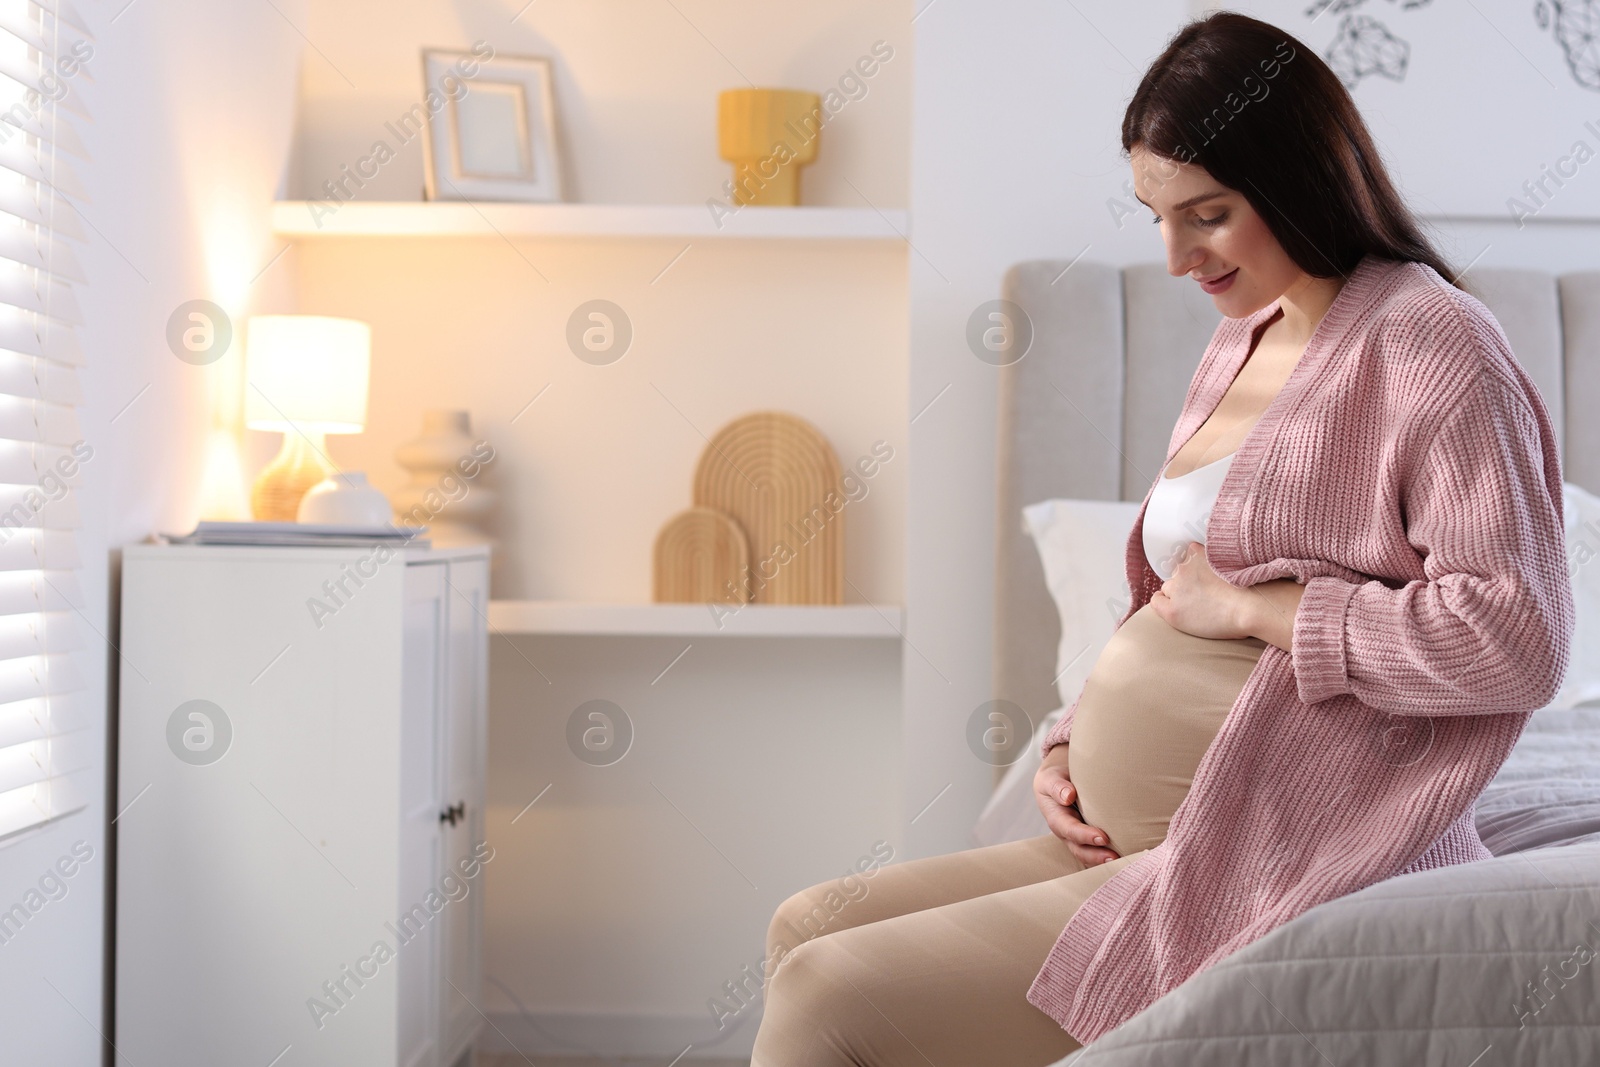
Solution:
(1149, 710)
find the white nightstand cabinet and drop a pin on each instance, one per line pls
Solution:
(300, 828)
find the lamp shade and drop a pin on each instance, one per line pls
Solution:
(307, 370)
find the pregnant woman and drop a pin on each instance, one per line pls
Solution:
(1349, 590)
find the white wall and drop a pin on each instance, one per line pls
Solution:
(621, 902)
(818, 329)
(609, 917)
(1506, 52)
(1515, 102)
(635, 87)
(1015, 152)
(192, 108)
(586, 476)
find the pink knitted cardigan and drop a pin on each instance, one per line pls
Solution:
(1408, 476)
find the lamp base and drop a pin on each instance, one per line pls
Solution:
(275, 496)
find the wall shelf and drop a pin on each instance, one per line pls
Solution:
(294, 219)
(567, 617)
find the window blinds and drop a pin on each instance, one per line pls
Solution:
(46, 743)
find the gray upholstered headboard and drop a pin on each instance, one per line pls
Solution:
(1088, 411)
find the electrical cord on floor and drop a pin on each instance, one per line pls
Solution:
(527, 1017)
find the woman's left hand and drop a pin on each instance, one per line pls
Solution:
(1199, 601)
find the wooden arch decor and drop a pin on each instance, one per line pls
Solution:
(699, 555)
(776, 476)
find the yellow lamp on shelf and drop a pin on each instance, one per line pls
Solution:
(307, 377)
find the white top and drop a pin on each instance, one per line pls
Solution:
(1178, 511)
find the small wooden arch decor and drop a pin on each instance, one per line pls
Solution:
(700, 555)
(776, 476)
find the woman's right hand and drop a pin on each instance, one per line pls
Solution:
(1056, 796)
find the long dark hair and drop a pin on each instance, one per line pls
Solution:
(1264, 115)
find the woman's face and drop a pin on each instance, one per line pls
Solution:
(1213, 234)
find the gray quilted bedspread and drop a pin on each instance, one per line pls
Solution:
(1479, 965)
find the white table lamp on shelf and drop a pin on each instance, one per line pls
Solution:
(307, 378)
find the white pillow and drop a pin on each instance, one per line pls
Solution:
(1012, 813)
(1081, 544)
(1581, 510)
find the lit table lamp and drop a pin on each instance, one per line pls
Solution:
(307, 377)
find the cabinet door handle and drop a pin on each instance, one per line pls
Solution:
(454, 813)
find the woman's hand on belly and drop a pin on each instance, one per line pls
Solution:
(1199, 601)
(1055, 794)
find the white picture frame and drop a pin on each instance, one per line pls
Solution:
(495, 136)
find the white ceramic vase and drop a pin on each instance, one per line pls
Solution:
(446, 490)
(344, 499)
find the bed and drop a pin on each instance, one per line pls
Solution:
(1486, 963)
